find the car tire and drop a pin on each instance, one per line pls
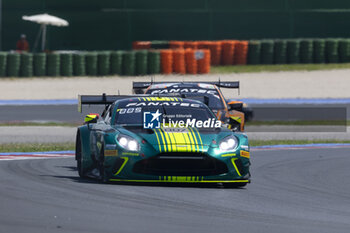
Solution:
(101, 166)
(78, 156)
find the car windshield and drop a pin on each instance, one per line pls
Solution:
(136, 115)
(215, 101)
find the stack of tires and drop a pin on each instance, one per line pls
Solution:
(39, 64)
(153, 62)
(53, 64)
(13, 64)
(319, 50)
(306, 51)
(67, 64)
(26, 69)
(116, 62)
(254, 52)
(280, 52)
(79, 64)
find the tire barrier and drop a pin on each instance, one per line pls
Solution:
(254, 54)
(39, 64)
(129, 63)
(293, 47)
(67, 64)
(181, 57)
(228, 51)
(344, 50)
(280, 52)
(191, 61)
(203, 61)
(26, 69)
(179, 61)
(190, 44)
(91, 64)
(267, 52)
(3, 64)
(166, 61)
(332, 51)
(53, 64)
(241, 53)
(141, 62)
(306, 51)
(13, 64)
(176, 44)
(79, 64)
(103, 63)
(116, 62)
(319, 50)
(153, 62)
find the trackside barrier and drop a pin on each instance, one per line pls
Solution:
(181, 57)
(271, 51)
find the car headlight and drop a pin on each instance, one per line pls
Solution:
(128, 143)
(228, 143)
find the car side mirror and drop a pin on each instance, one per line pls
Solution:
(235, 105)
(91, 118)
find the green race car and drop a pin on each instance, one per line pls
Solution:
(160, 140)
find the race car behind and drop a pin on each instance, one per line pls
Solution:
(232, 112)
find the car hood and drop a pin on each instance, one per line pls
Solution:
(179, 139)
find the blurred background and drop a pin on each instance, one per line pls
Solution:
(114, 24)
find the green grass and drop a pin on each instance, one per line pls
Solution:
(36, 147)
(39, 147)
(276, 68)
(64, 124)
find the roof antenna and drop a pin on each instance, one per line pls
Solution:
(118, 92)
(151, 79)
(219, 83)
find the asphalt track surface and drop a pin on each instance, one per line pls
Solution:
(292, 191)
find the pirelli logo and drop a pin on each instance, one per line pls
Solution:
(245, 154)
(111, 152)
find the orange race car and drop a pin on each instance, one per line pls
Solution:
(232, 113)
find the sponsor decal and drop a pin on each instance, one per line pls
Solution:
(245, 147)
(151, 120)
(245, 154)
(165, 103)
(130, 153)
(111, 146)
(194, 123)
(184, 90)
(154, 120)
(111, 152)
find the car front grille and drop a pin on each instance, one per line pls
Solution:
(181, 164)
